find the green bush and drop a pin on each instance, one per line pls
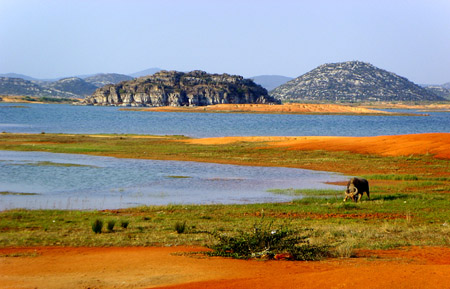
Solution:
(264, 242)
(97, 226)
(180, 227)
(110, 225)
(124, 224)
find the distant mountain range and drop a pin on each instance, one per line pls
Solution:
(72, 87)
(352, 81)
(82, 86)
(146, 72)
(346, 81)
(440, 90)
(16, 75)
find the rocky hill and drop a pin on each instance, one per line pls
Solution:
(19, 86)
(172, 88)
(17, 75)
(351, 81)
(73, 87)
(103, 79)
(439, 90)
(446, 85)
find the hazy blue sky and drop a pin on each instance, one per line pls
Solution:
(47, 39)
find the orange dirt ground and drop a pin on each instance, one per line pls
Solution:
(289, 108)
(437, 144)
(53, 268)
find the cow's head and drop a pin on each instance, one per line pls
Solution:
(351, 189)
(351, 192)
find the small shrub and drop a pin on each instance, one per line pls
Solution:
(264, 242)
(110, 225)
(344, 251)
(180, 227)
(124, 224)
(97, 226)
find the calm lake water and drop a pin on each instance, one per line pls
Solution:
(64, 181)
(53, 118)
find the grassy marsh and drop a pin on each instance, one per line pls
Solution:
(410, 198)
(388, 221)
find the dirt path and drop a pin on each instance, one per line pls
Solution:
(171, 268)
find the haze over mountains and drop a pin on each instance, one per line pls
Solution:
(270, 82)
(346, 81)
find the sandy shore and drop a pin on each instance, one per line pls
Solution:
(289, 108)
(436, 144)
(419, 107)
(53, 268)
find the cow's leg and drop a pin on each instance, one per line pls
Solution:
(359, 197)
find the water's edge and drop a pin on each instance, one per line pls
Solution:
(41, 180)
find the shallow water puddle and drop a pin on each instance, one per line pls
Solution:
(39, 180)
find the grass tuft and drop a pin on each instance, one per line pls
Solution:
(124, 224)
(110, 225)
(97, 226)
(180, 227)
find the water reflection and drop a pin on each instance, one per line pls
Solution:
(66, 181)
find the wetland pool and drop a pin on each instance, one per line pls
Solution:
(40, 180)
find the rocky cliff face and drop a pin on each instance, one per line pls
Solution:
(351, 81)
(172, 88)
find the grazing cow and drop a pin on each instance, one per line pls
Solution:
(356, 188)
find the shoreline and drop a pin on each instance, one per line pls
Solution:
(304, 152)
(287, 108)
